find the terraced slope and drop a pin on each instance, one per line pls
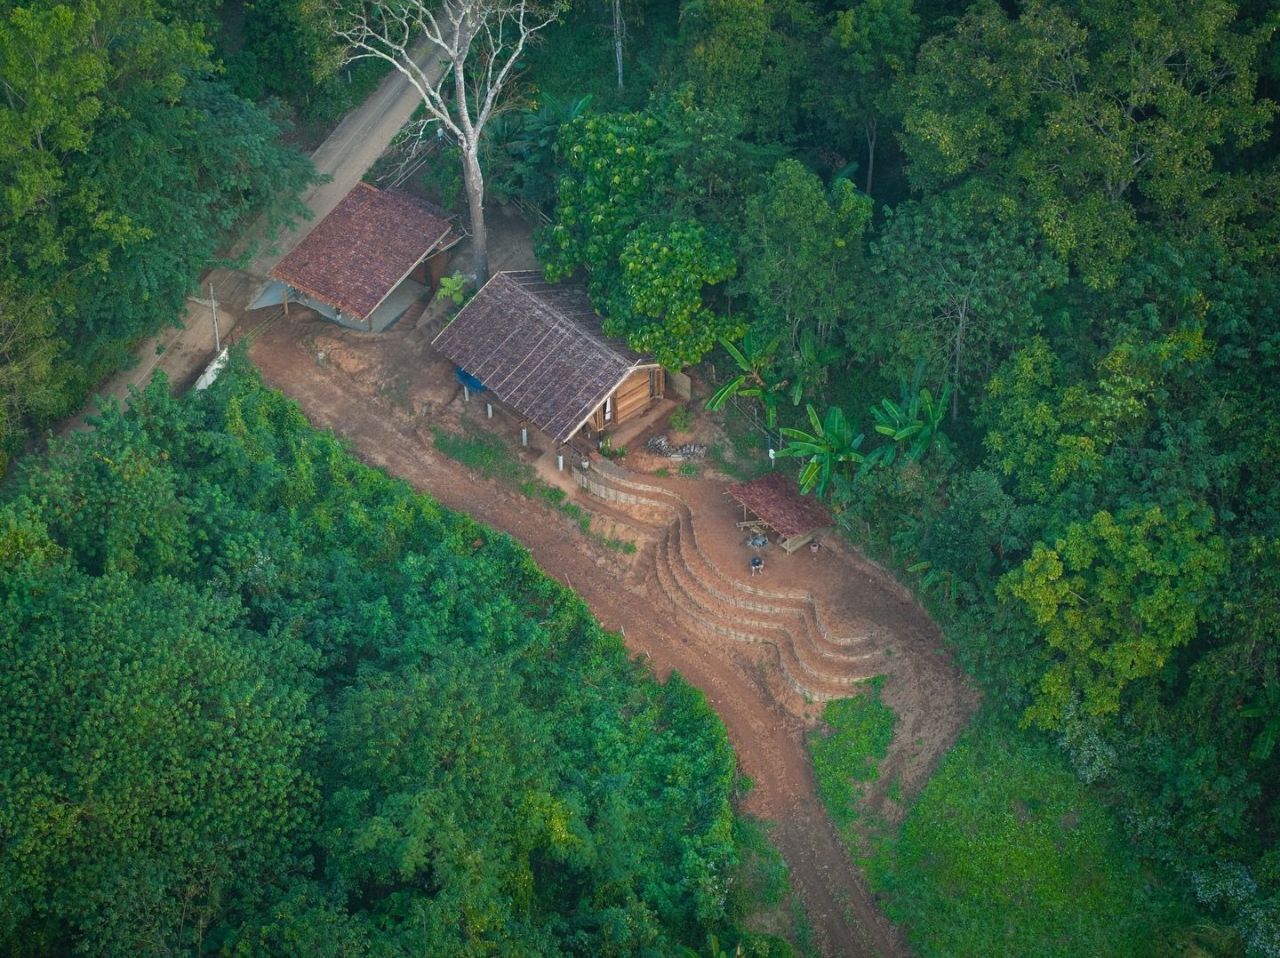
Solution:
(810, 663)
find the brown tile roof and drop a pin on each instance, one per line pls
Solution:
(362, 250)
(539, 348)
(777, 500)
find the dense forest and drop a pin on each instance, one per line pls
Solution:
(261, 699)
(1001, 278)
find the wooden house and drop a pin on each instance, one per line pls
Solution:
(538, 347)
(367, 263)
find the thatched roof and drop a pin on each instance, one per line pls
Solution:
(363, 250)
(777, 501)
(539, 348)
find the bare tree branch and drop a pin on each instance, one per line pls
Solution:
(434, 46)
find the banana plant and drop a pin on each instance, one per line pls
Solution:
(911, 424)
(810, 365)
(830, 444)
(519, 148)
(756, 360)
(1265, 706)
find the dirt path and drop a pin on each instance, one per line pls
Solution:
(373, 391)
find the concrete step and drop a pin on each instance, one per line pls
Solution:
(798, 618)
(607, 480)
(784, 621)
(700, 624)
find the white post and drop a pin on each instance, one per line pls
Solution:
(524, 435)
(466, 393)
(488, 410)
(213, 306)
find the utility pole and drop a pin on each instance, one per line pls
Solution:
(213, 307)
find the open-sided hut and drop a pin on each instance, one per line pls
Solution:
(367, 262)
(538, 347)
(775, 502)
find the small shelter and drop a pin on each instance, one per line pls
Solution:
(538, 348)
(367, 262)
(775, 502)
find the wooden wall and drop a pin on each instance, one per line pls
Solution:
(632, 397)
(429, 271)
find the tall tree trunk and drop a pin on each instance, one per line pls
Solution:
(870, 127)
(618, 28)
(472, 175)
(474, 180)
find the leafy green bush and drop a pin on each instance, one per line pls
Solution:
(681, 418)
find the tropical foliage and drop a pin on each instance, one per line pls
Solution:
(1061, 211)
(260, 699)
(126, 164)
(1074, 241)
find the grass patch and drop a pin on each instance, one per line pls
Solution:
(747, 455)
(396, 392)
(760, 897)
(1006, 853)
(484, 453)
(491, 457)
(847, 753)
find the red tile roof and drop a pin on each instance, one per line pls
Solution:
(778, 502)
(362, 250)
(539, 348)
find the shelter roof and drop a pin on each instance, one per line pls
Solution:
(363, 250)
(780, 505)
(539, 348)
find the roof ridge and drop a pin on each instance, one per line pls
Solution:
(541, 350)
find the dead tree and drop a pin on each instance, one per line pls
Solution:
(472, 48)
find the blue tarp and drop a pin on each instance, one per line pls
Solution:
(470, 381)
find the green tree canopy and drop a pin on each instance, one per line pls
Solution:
(958, 284)
(260, 697)
(1115, 597)
(127, 164)
(801, 250)
(1097, 115)
(649, 265)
